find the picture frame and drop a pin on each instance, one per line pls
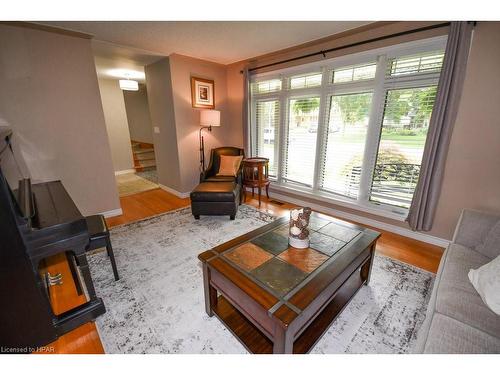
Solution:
(202, 93)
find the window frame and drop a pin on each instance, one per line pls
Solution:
(377, 86)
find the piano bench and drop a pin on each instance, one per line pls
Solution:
(98, 237)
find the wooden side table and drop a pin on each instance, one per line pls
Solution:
(256, 175)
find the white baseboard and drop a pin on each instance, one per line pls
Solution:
(125, 171)
(174, 192)
(363, 220)
(111, 213)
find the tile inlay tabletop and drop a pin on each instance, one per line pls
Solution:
(263, 267)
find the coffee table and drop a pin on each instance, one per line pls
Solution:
(278, 299)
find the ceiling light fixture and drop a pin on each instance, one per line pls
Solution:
(128, 85)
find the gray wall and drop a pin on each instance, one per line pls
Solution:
(139, 119)
(161, 108)
(50, 96)
(115, 116)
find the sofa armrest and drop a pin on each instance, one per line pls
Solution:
(473, 226)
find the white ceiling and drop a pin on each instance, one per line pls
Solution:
(113, 61)
(223, 42)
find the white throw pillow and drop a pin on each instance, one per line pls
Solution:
(486, 280)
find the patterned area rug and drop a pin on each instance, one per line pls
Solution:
(132, 183)
(157, 306)
(149, 174)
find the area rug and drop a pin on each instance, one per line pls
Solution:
(149, 174)
(157, 306)
(131, 183)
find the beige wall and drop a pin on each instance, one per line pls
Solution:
(187, 118)
(50, 96)
(177, 145)
(472, 177)
(115, 117)
(161, 108)
(139, 119)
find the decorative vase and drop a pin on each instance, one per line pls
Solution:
(298, 235)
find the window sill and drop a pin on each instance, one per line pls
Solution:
(374, 209)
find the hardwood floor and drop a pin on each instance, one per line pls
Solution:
(145, 204)
(85, 339)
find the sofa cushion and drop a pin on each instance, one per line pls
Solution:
(468, 308)
(215, 192)
(456, 296)
(457, 264)
(448, 335)
(486, 281)
(491, 244)
(473, 226)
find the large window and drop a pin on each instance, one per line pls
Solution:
(353, 129)
(300, 147)
(345, 143)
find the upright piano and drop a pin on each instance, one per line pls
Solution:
(38, 221)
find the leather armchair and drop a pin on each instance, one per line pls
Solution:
(210, 174)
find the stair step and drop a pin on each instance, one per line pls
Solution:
(144, 151)
(144, 157)
(147, 163)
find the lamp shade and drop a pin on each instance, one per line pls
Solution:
(210, 117)
(128, 85)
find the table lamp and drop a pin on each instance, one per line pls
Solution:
(208, 118)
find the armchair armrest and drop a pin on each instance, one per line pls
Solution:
(473, 226)
(207, 173)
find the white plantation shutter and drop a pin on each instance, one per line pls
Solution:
(306, 81)
(345, 142)
(301, 133)
(406, 117)
(350, 128)
(354, 73)
(416, 64)
(264, 87)
(267, 115)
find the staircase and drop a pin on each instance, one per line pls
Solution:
(144, 156)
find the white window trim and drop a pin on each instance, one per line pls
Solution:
(379, 210)
(379, 85)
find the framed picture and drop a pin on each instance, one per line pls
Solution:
(202, 93)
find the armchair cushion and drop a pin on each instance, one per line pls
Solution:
(214, 164)
(219, 179)
(229, 165)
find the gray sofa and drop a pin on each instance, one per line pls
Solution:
(457, 319)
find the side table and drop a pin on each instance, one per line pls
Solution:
(256, 175)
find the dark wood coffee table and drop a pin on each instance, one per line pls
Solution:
(278, 299)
